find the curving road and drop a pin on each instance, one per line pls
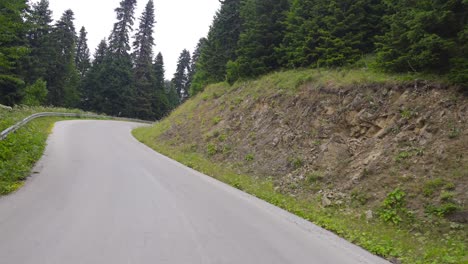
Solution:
(101, 197)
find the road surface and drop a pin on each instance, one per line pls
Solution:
(100, 197)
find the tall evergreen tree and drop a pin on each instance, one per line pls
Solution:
(220, 46)
(194, 86)
(40, 42)
(62, 76)
(424, 36)
(12, 48)
(181, 76)
(143, 69)
(117, 67)
(82, 60)
(160, 103)
(94, 81)
(261, 36)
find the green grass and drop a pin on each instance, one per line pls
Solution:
(23, 148)
(20, 151)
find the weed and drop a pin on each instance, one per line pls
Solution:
(403, 155)
(431, 186)
(446, 196)
(406, 113)
(296, 162)
(211, 150)
(249, 157)
(393, 207)
(454, 132)
(313, 177)
(222, 137)
(407, 154)
(442, 210)
(216, 120)
(358, 197)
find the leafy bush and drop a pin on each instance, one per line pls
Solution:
(393, 207)
(35, 94)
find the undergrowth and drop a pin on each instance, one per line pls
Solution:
(23, 148)
(20, 151)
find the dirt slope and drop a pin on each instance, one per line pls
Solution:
(348, 145)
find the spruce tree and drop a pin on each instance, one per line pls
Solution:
(160, 102)
(181, 76)
(94, 82)
(194, 86)
(261, 36)
(220, 46)
(12, 48)
(143, 69)
(36, 65)
(118, 94)
(424, 36)
(62, 75)
(82, 61)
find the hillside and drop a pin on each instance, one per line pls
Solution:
(378, 149)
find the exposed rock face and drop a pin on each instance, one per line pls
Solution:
(368, 140)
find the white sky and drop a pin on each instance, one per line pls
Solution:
(179, 23)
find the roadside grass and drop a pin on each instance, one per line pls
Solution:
(18, 113)
(409, 240)
(23, 148)
(20, 151)
(384, 239)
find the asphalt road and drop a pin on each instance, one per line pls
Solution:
(99, 196)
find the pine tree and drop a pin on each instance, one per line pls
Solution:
(82, 61)
(261, 36)
(424, 36)
(220, 46)
(172, 96)
(330, 33)
(118, 94)
(160, 103)
(12, 48)
(36, 65)
(94, 82)
(143, 69)
(62, 75)
(119, 42)
(194, 86)
(181, 76)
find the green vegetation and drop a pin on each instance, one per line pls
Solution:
(394, 230)
(22, 149)
(393, 208)
(374, 235)
(49, 64)
(251, 38)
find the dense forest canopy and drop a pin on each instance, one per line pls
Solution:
(50, 64)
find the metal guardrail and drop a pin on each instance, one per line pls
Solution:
(28, 119)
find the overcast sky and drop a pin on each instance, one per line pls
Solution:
(179, 23)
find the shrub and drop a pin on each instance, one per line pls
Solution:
(393, 207)
(35, 94)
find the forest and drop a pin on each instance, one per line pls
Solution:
(50, 64)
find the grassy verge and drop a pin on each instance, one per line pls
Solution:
(11, 117)
(22, 149)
